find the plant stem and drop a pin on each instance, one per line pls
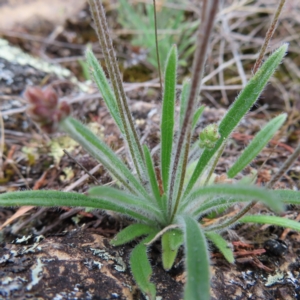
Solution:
(268, 36)
(159, 234)
(114, 74)
(215, 162)
(182, 178)
(204, 33)
(156, 45)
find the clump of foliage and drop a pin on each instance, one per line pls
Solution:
(171, 26)
(170, 206)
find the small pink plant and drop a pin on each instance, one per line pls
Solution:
(45, 109)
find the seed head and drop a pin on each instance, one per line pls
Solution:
(209, 136)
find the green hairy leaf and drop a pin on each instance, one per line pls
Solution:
(221, 244)
(183, 100)
(171, 241)
(141, 268)
(274, 220)
(288, 196)
(104, 87)
(122, 198)
(104, 154)
(210, 205)
(239, 108)
(152, 176)
(132, 232)
(257, 144)
(197, 115)
(57, 198)
(197, 261)
(237, 191)
(167, 118)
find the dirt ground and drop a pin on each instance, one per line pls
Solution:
(64, 253)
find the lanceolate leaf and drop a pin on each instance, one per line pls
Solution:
(199, 208)
(241, 192)
(288, 196)
(239, 108)
(274, 220)
(104, 154)
(221, 244)
(178, 185)
(152, 176)
(197, 261)
(57, 198)
(135, 203)
(104, 87)
(111, 103)
(197, 115)
(167, 119)
(257, 144)
(183, 100)
(132, 232)
(170, 241)
(141, 268)
(204, 207)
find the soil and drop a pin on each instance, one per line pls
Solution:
(80, 264)
(64, 253)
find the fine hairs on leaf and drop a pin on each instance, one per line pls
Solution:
(166, 196)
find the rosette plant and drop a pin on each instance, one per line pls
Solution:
(167, 199)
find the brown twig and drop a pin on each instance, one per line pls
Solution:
(105, 40)
(268, 37)
(82, 167)
(203, 37)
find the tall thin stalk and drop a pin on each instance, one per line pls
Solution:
(156, 45)
(114, 74)
(268, 36)
(203, 37)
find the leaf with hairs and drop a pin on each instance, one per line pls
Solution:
(184, 100)
(167, 118)
(58, 198)
(237, 191)
(197, 116)
(204, 207)
(152, 176)
(274, 220)
(141, 268)
(221, 244)
(136, 203)
(104, 88)
(239, 108)
(258, 143)
(288, 196)
(170, 242)
(132, 232)
(99, 150)
(197, 261)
